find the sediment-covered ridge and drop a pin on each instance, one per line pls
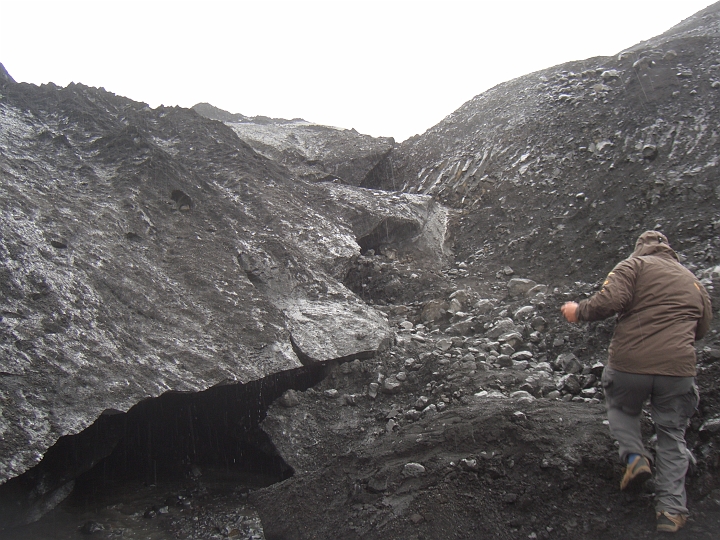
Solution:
(151, 250)
(557, 172)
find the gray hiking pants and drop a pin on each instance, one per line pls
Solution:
(673, 401)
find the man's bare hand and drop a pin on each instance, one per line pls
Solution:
(569, 310)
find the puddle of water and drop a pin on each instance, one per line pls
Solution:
(210, 506)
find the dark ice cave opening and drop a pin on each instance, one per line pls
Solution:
(175, 436)
(388, 232)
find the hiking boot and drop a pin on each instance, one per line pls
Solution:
(667, 522)
(636, 474)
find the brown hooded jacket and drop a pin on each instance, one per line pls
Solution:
(662, 309)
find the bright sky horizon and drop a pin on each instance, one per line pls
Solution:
(386, 68)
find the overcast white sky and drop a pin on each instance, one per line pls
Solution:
(386, 68)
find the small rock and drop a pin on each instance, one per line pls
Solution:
(391, 386)
(413, 470)
(429, 410)
(435, 311)
(569, 363)
(520, 286)
(331, 393)
(597, 369)
(514, 339)
(461, 295)
(377, 484)
(468, 366)
(462, 328)
(524, 313)
(455, 306)
(570, 383)
(413, 414)
(537, 289)
(373, 390)
(504, 360)
(544, 366)
(483, 306)
(539, 323)
(520, 365)
(289, 399)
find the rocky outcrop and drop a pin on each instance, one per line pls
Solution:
(313, 152)
(146, 251)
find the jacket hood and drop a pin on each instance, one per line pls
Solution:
(653, 243)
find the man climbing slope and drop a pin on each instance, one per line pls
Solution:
(662, 309)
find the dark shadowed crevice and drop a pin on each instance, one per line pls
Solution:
(158, 440)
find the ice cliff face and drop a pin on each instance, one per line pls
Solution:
(313, 152)
(145, 251)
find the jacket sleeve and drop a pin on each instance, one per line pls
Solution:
(703, 324)
(615, 296)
